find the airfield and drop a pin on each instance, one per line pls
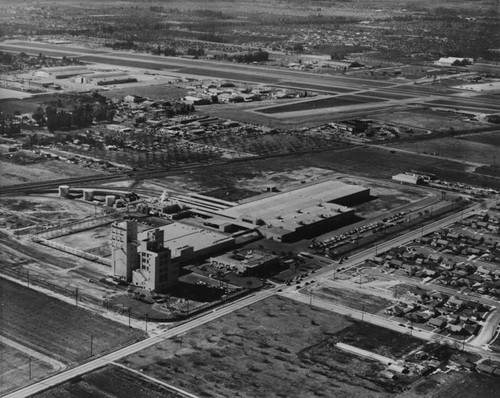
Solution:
(341, 95)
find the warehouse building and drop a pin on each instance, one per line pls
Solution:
(413, 179)
(62, 72)
(104, 78)
(296, 214)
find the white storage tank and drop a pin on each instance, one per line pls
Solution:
(110, 200)
(88, 194)
(63, 191)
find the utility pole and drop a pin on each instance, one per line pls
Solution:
(363, 313)
(91, 345)
(28, 277)
(76, 297)
(129, 309)
(146, 323)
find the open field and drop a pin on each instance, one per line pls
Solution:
(275, 348)
(454, 384)
(471, 385)
(453, 148)
(352, 299)
(495, 346)
(471, 105)
(491, 138)
(321, 103)
(27, 105)
(368, 162)
(58, 329)
(429, 120)
(23, 211)
(12, 94)
(43, 171)
(17, 368)
(267, 144)
(160, 91)
(110, 382)
(88, 239)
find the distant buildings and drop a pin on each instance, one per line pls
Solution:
(62, 72)
(413, 179)
(453, 61)
(84, 75)
(104, 78)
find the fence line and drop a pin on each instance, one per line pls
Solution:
(71, 250)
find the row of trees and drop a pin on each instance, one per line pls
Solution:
(249, 57)
(81, 114)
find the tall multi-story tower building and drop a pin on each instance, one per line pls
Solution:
(123, 244)
(156, 269)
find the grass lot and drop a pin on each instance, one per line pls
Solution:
(270, 143)
(495, 346)
(490, 138)
(379, 340)
(321, 103)
(274, 348)
(55, 328)
(369, 162)
(471, 385)
(456, 149)
(14, 368)
(109, 382)
(352, 299)
(429, 120)
(161, 91)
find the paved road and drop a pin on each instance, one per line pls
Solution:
(388, 324)
(367, 254)
(222, 311)
(117, 355)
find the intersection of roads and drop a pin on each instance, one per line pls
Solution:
(486, 333)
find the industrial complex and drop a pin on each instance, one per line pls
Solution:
(288, 216)
(151, 259)
(270, 199)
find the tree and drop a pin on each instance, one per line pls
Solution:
(39, 115)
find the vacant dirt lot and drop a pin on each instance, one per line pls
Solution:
(15, 369)
(55, 328)
(429, 120)
(468, 150)
(275, 348)
(109, 382)
(352, 299)
(43, 171)
(23, 211)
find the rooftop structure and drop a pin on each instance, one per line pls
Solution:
(452, 61)
(286, 215)
(408, 179)
(187, 242)
(108, 78)
(244, 261)
(284, 203)
(62, 72)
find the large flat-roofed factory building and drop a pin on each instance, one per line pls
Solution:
(151, 259)
(296, 214)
